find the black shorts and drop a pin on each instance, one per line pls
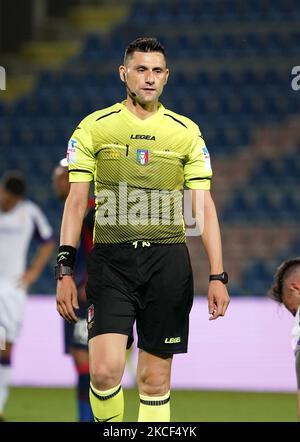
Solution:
(150, 285)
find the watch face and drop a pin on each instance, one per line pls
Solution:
(225, 277)
(220, 277)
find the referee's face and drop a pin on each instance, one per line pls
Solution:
(145, 74)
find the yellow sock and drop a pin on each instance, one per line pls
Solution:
(107, 406)
(154, 408)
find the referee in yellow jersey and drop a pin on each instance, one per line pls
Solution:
(139, 155)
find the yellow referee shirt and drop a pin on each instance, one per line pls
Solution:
(139, 168)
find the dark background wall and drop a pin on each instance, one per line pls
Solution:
(15, 24)
(58, 8)
(18, 19)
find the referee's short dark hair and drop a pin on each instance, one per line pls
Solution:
(14, 182)
(144, 44)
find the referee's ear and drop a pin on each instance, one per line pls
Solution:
(122, 72)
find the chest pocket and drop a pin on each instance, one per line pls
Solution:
(166, 169)
(109, 160)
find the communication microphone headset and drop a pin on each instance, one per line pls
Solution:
(131, 94)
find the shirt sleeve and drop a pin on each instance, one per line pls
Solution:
(197, 169)
(42, 229)
(80, 155)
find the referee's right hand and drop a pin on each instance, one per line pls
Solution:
(66, 298)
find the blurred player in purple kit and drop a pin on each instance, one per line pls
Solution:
(20, 221)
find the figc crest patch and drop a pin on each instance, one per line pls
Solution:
(142, 156)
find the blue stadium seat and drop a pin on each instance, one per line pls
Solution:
(259, 277)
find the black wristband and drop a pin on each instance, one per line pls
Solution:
(66, 256)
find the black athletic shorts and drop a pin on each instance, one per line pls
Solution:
(150, 285)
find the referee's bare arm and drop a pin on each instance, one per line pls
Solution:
(74, 211)
(218, 298)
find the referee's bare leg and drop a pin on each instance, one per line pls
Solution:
(153, 379)
(107, 357)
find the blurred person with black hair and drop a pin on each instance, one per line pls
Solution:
(20, 220)
(286, 290)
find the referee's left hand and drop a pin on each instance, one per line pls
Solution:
(218, 299)
(66, 298)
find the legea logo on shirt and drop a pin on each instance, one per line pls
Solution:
(142, 137)
(71, 152)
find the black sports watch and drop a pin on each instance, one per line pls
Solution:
(223, 277)
(60, 271)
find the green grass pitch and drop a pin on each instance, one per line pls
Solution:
(58, 405)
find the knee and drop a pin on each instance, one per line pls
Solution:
(105, 376)
(153, 381)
